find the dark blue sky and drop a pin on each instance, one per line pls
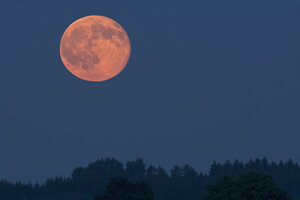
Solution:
(207, 80)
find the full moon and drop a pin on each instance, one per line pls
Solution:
(95, 48)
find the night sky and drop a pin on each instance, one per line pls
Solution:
(207, 80)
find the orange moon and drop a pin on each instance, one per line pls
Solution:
(95, 48)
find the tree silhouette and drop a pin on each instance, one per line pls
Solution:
(248, 186)
(135, 170)
(183, 182)
(122, 189)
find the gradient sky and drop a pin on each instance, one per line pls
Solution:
(207, 80)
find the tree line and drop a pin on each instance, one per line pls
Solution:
(182, 182)
(245, 186)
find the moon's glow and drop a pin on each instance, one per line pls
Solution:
(95, 48)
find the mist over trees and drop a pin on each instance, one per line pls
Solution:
(182, 182)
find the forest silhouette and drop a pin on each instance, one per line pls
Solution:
(182, 182)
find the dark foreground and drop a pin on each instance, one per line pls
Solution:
(181, 183)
